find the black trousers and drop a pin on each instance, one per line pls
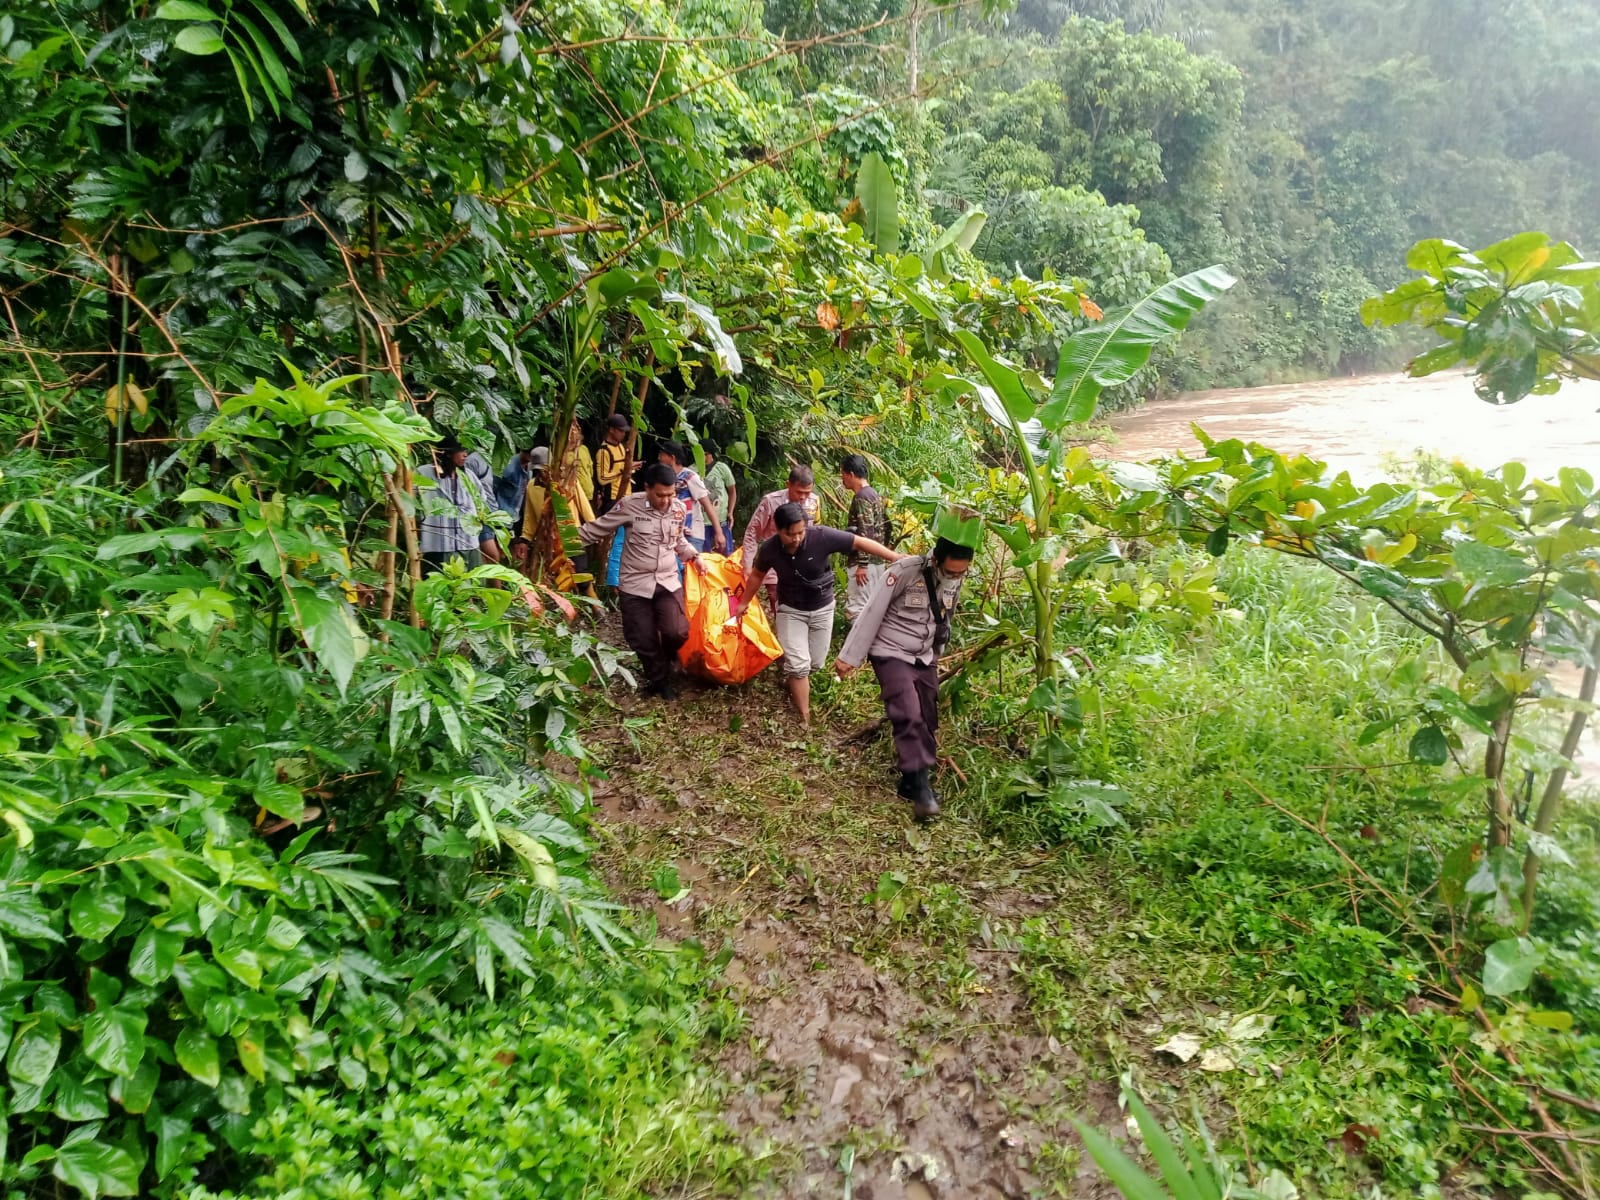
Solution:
(655, 628)
(911, 700)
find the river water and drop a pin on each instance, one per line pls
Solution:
(1354, 424)
(1358, 425)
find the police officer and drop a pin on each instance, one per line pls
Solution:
(654, 620)
(902, 631)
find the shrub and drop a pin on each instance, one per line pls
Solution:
(236, 803)
(583, 1083)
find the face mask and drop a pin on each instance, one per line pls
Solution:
(945, 577)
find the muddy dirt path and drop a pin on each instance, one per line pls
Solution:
(889, 1052)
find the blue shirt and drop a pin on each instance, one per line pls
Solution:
(512, 485)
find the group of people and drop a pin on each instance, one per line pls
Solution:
(898, 605)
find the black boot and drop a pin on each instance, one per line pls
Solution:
(911, 784)
(925, 804)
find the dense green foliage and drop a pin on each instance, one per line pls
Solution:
(244, 815)
(1307, 146)
(1273, 871)
(296, 887)
(1284, 884)
(585, 1084)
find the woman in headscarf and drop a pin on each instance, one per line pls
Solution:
(552, 532)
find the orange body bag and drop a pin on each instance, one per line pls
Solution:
(719, 648)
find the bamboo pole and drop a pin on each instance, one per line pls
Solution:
(399, 488)
(390, 558)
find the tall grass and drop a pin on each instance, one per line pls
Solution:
(1231, 892)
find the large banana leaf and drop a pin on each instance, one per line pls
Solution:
(880, 203)
(1005, 380)
(1112, 351)
(721, 343)
(963, 233)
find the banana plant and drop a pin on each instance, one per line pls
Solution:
(620, 292)
(1064, 488)
(879, 201)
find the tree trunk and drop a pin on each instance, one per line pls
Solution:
(1501, 815)
(1044, 650)
(117, 318)
(913, 58)
(390, 556)
(398, 486)
(1550, 802)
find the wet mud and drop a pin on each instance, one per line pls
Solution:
(882, 1058)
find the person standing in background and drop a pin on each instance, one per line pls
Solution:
(763, 523)
(535, 493)
(582, 463)
(701, 513)
(453, 534)
(513, 481)
(540, 486)
(483, 479)
(724, 493)
(611, 464)
(611, 482)
(867, 520)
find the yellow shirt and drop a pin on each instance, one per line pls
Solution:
(533, 508)
(610, 461)
(586, 473)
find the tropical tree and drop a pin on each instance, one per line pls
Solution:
(1044, 531)
(1495, 567)
(1524, 315)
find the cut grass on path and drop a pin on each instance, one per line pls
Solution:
(890, 1040)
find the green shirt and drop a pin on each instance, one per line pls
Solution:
(718, 480)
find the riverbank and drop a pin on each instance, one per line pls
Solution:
(1370, 424)
(926, 1010)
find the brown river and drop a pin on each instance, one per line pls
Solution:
(1354, 424)
(1358, 425)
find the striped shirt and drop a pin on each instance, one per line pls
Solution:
(447, 533)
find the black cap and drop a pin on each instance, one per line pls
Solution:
(617, 421)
